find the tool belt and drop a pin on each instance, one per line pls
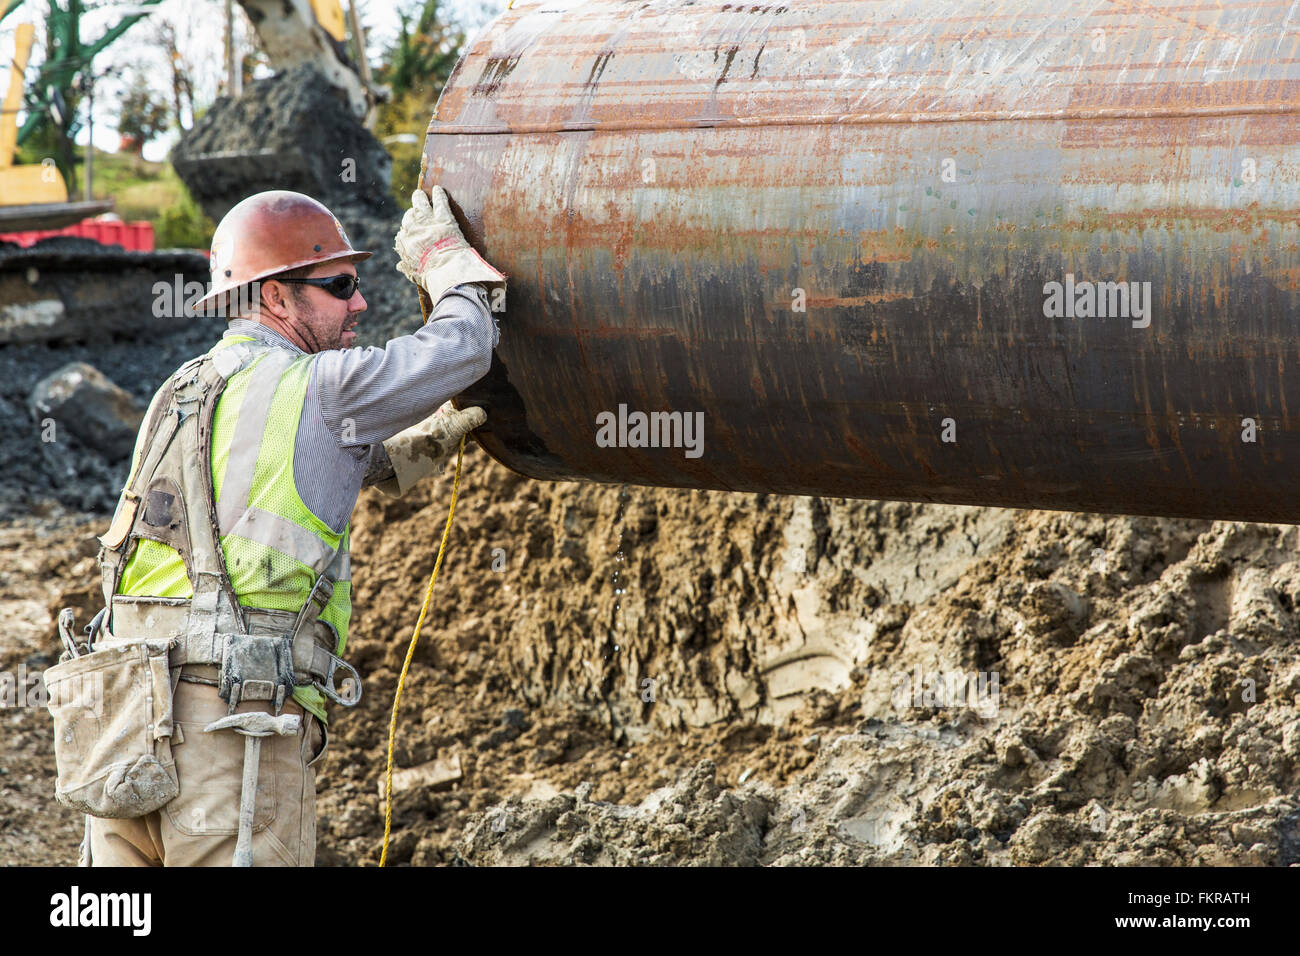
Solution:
(111, 694)
(112, 712)
(281, 650)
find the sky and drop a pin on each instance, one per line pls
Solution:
(199, 25)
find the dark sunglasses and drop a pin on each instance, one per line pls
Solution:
(340, 286)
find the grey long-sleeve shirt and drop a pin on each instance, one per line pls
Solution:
(358, 397)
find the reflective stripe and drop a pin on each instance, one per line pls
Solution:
(253, 413)
(234, 515)
(280, 534)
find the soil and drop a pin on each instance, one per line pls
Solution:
(632, 675)
(648, 676)
(1143, 709)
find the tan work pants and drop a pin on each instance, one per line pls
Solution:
(199, 827)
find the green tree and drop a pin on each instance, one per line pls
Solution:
(183, 225)
(63, 74)
(422, 57)
(144, 113)
(415, 67)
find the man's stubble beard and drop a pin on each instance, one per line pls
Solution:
(308, 313)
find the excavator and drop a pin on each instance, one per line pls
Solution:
(292, 33)
(299, 130)
(65, 288)
(32, 196)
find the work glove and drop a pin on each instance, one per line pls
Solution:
(426, 447)
(432, 251)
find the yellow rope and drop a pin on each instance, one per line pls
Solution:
(410, 653)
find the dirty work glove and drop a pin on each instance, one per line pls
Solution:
(432, 250)
(427, 446)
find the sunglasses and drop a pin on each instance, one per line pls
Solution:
(340, 286)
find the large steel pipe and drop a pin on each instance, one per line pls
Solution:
(862, 238)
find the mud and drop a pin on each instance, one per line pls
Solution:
(45, 563)
(1144, 708)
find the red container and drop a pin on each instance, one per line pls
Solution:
(132, 236)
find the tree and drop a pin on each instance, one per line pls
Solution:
(181, 72)
(63, 76)
(144, 113)
(415, 68)
(422, 59)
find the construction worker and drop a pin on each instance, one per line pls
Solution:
(225, 570)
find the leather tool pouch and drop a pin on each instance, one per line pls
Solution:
(256, 668)
(112, 713)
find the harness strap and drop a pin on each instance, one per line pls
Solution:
(213, 607)
(210, 626)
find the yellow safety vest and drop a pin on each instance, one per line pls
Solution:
(274, 546)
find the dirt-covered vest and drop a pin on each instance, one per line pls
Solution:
(212, 546)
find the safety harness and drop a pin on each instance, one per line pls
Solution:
(248, 653)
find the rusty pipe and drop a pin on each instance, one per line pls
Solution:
(858, 237)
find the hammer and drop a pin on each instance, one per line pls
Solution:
(254, 726)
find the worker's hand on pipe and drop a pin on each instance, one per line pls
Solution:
(426, 447)
(432, 250)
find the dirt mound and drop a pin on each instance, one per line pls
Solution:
(42, 465)
(1128, 695)
(295, 131)
(1129, 685)
(46, 562)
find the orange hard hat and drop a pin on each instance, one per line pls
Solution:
(272, 232)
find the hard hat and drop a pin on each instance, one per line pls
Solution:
(272, 232)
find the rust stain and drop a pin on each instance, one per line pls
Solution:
(776, 165)
(833, 302)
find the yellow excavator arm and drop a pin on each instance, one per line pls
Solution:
(311, 31)
(23, 185)
(329, 14)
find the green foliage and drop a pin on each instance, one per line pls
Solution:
(406, 116)
(63, 74)
(424, 54)
(183, 225)
(415, 68)
(143, 112)
(49, 141)
(140, 189)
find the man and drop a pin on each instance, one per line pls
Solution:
(262, 445)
